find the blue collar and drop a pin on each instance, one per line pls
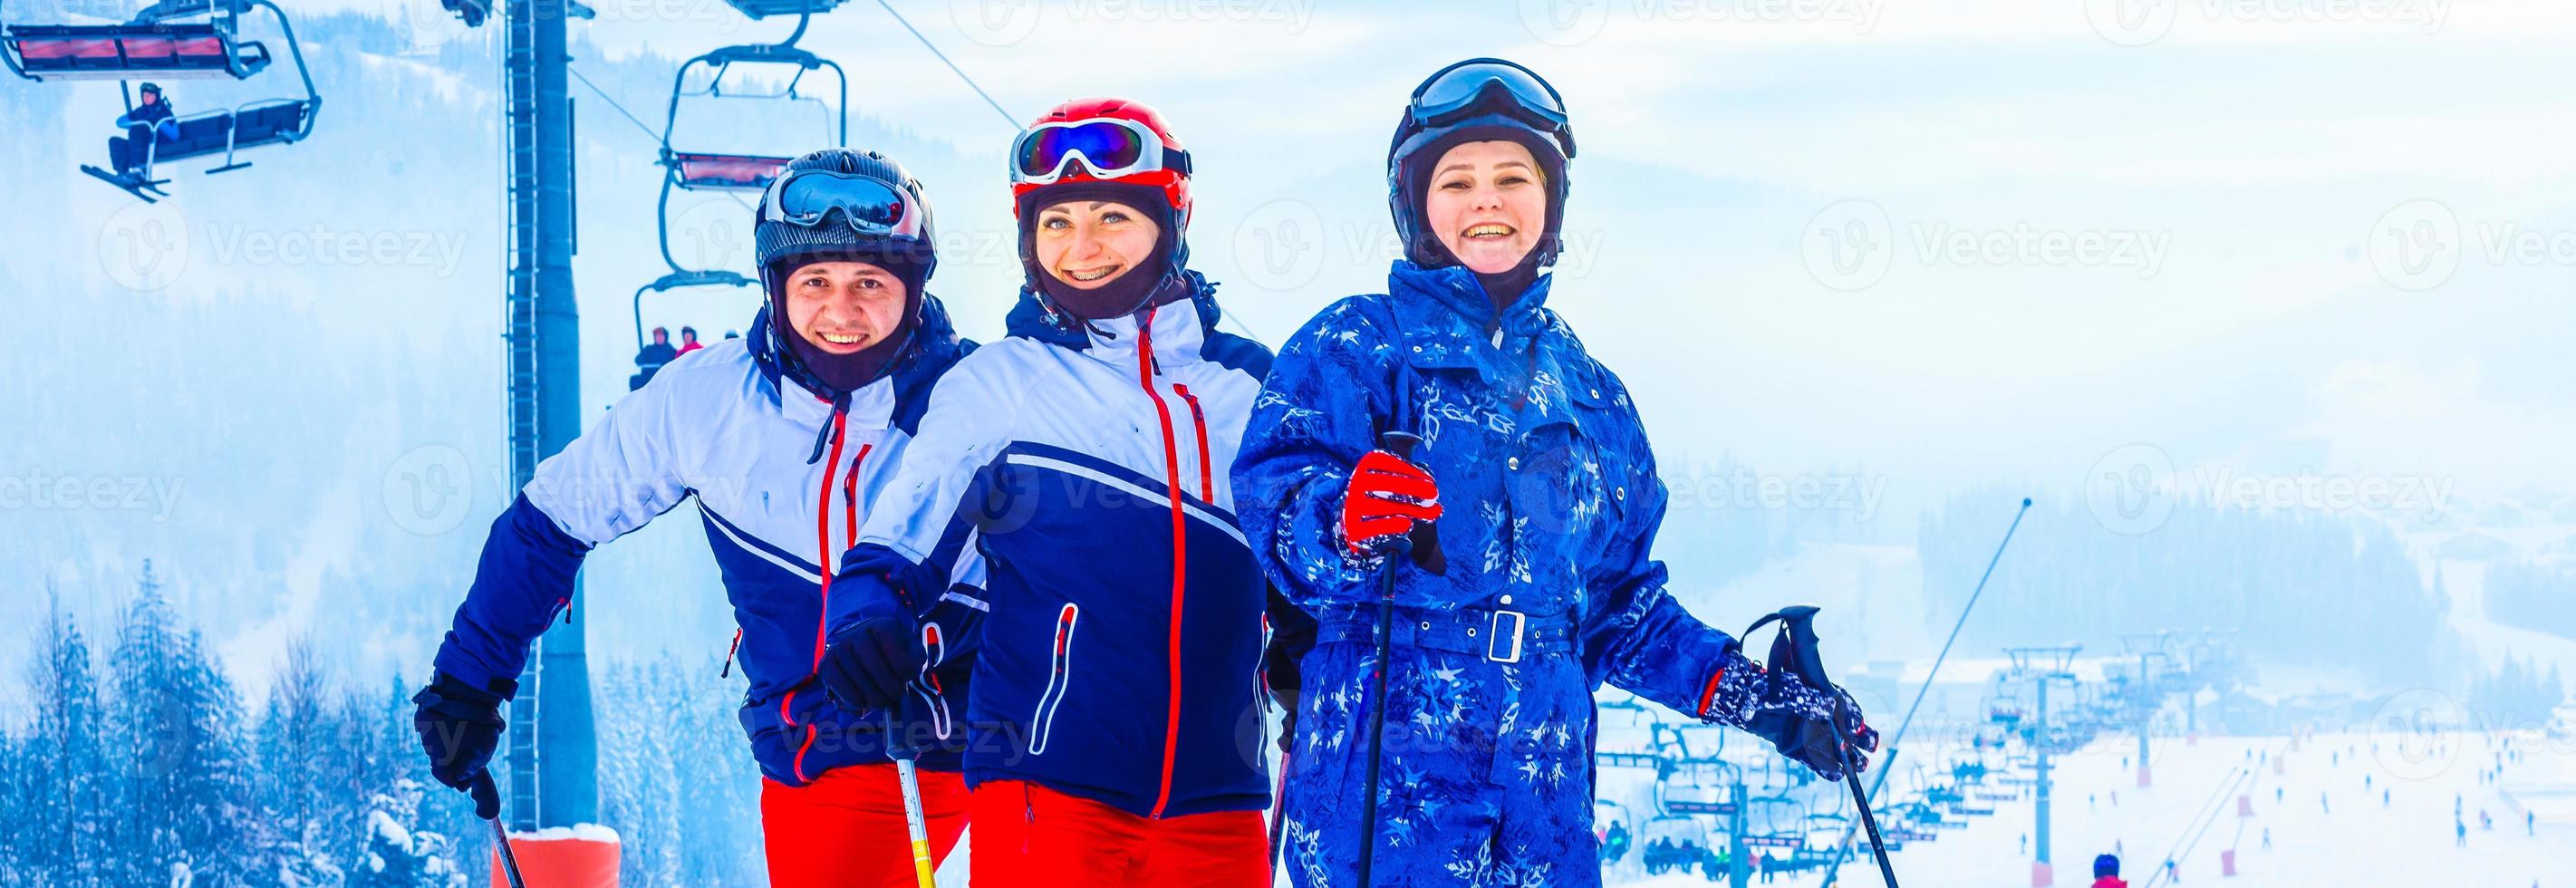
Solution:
(1443, 314)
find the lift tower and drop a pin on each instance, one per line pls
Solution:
(554, 747)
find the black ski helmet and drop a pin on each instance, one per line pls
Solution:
(901, 241)
(777, 242)
(1479, 99)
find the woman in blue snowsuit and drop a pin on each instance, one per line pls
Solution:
(1534, 468)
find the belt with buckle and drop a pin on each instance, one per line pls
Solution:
(1498, 634)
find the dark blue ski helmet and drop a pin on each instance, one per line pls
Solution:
(838, 202)
(2106, 865)
(1475, 100)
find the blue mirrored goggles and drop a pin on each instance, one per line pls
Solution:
(867, 204)
(1491, 86)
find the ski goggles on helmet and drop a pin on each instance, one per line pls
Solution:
(869, 205)
(1108, 148)
(1490, 86)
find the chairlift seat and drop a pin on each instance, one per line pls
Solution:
(765, 8)
(213, 132)
(129, 52)
(725, 172)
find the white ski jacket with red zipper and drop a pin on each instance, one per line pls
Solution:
(1088, 463)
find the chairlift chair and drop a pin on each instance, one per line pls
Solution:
(170, 40)
(692, 170)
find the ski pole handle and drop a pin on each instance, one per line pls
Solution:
(500, 834)
(1423, 542)
(915, 823)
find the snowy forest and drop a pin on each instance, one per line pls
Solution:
(142, 766)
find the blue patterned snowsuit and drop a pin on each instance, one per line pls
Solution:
(1551, 503)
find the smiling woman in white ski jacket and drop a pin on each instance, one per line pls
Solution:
(785, 438)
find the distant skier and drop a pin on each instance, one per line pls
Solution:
(785, 440)
(2172, 873)
(2106, 872)
(2267, 838)
(2530, 823)
(1535, 471)
(150, 121)
(2383, 798)
(650, 359)
(2460, 831)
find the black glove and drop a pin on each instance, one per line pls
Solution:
(460, 728)
(1292, 634)
(868, 662)
(1798, 720)
(1279, 673)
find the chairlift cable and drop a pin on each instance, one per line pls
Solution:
(612, 102)
(1007, 119)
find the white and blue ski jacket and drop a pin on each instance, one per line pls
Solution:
(1091, 464)
(783, 478)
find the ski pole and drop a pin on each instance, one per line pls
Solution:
(500, 834)
(899, 747)
(1799, 623)
(1279, 814)
(1424, 538)
(1895, 742)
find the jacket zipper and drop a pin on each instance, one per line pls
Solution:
(823, 560)
(1180, 554)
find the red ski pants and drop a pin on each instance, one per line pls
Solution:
(1029, 835)
(846, 829)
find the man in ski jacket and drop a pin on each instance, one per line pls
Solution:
(1534, 468)
(1117, 726)
(150, 120)
(786, 439)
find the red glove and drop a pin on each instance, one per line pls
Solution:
(1386, 497)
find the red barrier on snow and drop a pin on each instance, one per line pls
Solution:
(2244, 806)
(2227, 862)
(580, 857)
(2145, 779)
(2040, 877)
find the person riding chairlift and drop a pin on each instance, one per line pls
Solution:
(151, 120)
